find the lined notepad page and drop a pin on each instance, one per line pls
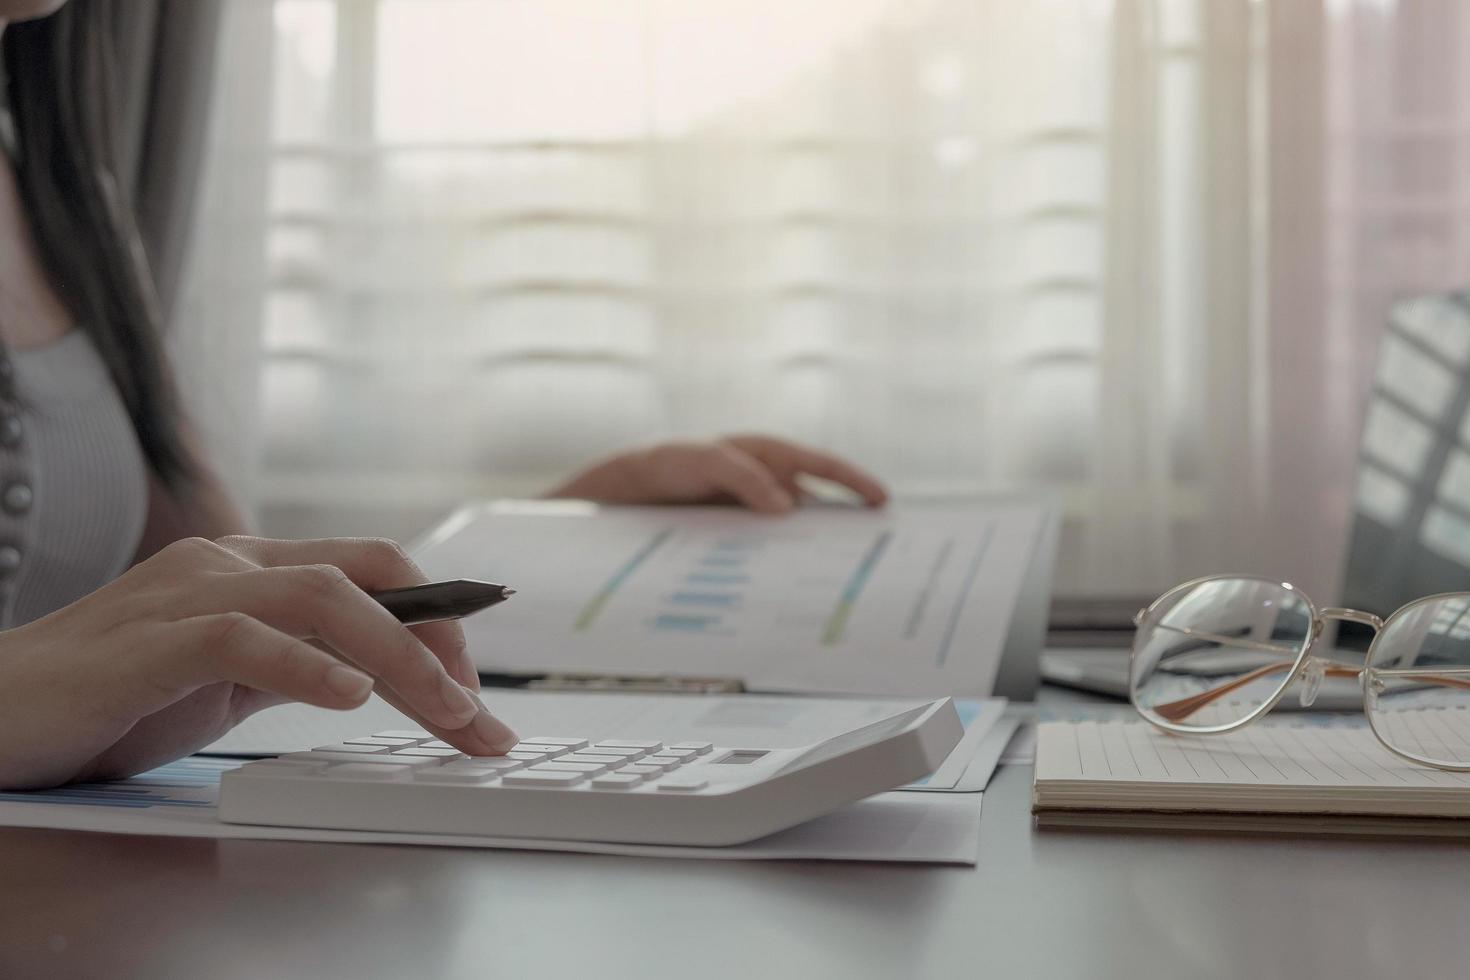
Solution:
(1315, 765)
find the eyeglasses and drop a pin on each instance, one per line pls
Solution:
(1215, 654)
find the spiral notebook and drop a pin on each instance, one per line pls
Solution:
(1330, 769)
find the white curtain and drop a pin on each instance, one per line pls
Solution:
(1137, 251)
(215, 340)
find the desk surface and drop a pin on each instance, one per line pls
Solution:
(1041, 903)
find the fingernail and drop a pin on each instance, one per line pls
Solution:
(459, 702)
(348, 683)
(494, 732)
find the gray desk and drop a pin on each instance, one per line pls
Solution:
(1042, 904)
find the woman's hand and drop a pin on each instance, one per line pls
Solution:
(168, 657)
(757, 471)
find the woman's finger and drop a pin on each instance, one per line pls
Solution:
(374, 565)
(447, 641)
(321, 602)
(486, 735)
(234, 647)
(830, 468)
(790, 457)
(731, 470)
(193, 555)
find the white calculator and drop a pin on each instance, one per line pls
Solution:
(562, 787)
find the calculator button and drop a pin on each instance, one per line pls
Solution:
(346, 747)
(275, 768)
(532, 777)
(436, 743)
(530, 756)
(416, 734)
(642, 772)
(570, 743)
(559, 766)
(376, 760)
(623, 743)
(684, 784)
(698, 748)
(363, 770)
(662, 761)
(443, 774)
(615, 780)
(528, 748)
(600, 761)
(493, 763)
(428, 753)
(612, 751)
(685, 754)
(382, 740)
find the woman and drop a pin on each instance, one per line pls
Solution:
(140, 624)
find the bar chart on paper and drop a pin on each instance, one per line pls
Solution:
(188, 783)
(722, 586)
(713, 592)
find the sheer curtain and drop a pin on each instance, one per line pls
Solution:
(215, 337)
(1128, 250)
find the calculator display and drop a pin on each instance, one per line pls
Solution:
(740, 757)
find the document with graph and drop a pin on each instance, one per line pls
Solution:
(911, 600)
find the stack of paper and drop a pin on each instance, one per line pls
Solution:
(939, 824)
(179, 800)
(1318, 765)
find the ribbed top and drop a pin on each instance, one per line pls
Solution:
(78, 517)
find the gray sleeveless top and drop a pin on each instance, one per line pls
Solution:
(73, 480)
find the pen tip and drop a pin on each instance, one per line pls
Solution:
(507, 591)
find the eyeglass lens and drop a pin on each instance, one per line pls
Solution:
(1213, 652)
(1417, 681)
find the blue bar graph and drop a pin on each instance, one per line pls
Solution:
(721, 600)
(713, 584)
(178, 784)
(591, 610)
(685, 623)
(717, 578)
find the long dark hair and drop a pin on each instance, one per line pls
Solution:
(60, 76)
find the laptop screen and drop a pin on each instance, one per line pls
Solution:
(1411, 515)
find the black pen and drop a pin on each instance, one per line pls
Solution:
(441, 600)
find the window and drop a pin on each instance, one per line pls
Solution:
(1066, 243)
(507, 236)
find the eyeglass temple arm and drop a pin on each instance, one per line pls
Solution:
(1177, 711)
